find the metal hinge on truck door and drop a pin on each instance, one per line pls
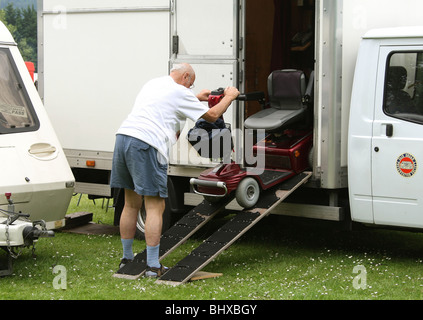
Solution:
(175, 44)
(241, 43)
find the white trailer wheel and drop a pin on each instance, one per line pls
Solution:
(247, 193)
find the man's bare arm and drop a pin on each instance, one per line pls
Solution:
(230, 94)
(203, 95)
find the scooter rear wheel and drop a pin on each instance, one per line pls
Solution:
(247, 193)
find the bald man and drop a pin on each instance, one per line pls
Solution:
(141, 155)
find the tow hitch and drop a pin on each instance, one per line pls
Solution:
(18, 232)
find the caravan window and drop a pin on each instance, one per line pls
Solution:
(16, 111)
(404, 86)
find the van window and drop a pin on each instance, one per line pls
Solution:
(404, 86)
(16, 111)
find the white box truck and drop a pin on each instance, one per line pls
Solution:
(94, 56)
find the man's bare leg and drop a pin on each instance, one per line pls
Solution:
(128, 222)
(154, 207)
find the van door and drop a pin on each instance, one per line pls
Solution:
(206, 34)
(397, 142)
(96, 56)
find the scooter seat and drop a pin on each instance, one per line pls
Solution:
(273, 119)
(287, 91)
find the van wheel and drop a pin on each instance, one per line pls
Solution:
(247, 193)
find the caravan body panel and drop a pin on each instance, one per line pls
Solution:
(35, 170)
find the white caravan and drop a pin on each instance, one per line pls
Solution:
(35, 174)
(96, 55)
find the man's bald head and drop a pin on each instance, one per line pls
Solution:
(183, 74)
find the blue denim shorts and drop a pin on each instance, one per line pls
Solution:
(137, 166)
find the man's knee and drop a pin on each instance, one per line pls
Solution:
(155, 205)
(133, 200)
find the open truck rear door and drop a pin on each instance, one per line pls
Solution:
(206, 35)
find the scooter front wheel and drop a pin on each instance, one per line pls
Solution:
(247, 193)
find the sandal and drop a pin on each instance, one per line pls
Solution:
(153, 272)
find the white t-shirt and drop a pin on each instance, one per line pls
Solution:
(158, 111)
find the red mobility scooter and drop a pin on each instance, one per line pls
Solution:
(287, 121)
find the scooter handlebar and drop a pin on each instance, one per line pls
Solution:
(251, 96)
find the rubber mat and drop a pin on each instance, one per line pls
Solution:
(270, 176)
(210, 247)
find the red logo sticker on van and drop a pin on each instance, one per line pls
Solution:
(406, 165)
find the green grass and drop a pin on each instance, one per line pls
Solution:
(279, 259)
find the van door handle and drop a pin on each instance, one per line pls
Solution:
(389, 130)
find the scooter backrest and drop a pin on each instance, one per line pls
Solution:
(286, 89)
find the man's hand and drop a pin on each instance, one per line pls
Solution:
(231, 92)
(204, 95)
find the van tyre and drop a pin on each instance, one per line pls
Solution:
(247, 193)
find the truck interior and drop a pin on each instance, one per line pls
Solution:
(279, 62)
(281, 34)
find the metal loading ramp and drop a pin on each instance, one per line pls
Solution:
(190, 223)
(184, 270)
